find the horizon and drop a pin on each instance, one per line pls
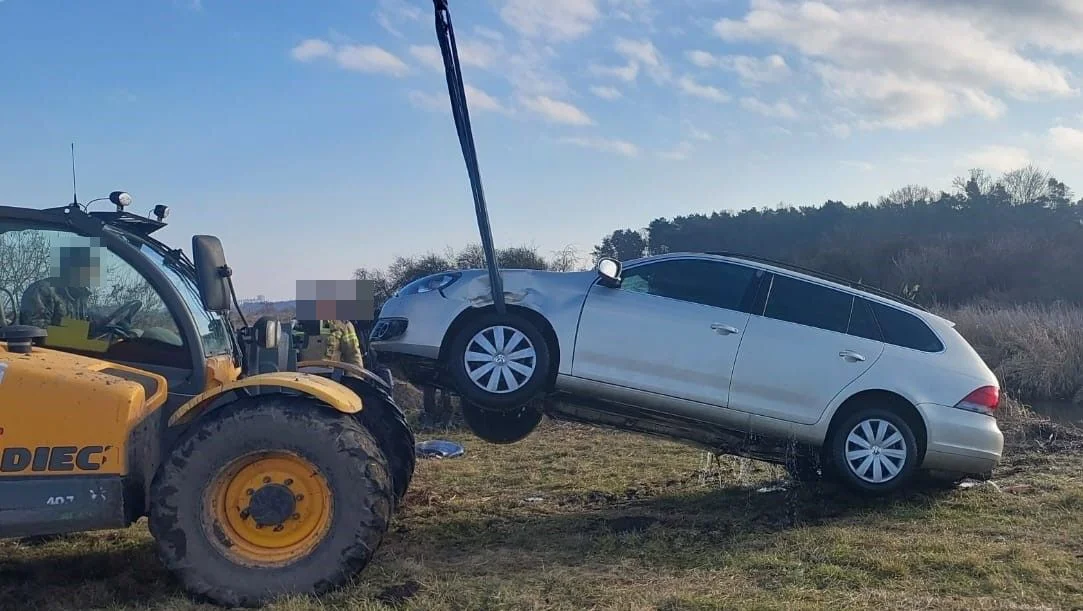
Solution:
(327, 127)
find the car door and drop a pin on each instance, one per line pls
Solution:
(672, 328)
(811, 342)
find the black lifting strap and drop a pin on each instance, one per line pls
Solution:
(446, 34)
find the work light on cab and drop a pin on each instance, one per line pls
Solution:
(120, 199)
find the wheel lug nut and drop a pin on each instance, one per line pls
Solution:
(296, 516)
(244, 514)
(250, 492)
(300, 497)
(266, 480)
(278, 528)
(288, 482)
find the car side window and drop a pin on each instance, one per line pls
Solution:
(863, 321)
(808, 304)
(712, 283)
(906, 330)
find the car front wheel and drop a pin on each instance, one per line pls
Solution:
(499, 362)
(874, 451)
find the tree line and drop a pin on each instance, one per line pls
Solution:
(1016, 238)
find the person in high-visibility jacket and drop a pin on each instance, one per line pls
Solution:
(343, 344)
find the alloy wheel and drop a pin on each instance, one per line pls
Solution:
(876, 451)
(500, 359)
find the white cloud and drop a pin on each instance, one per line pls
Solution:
(429, 102)
(477, 100)
(311, 49)
(627, 73)
(751, 70)
(1067, 141)
(840, 130)
(489, 33)
(392, 11)
(695, 133)
(553, 20)
(780, 110)
(919, 63)
(429, 56)
(863, 166)
(643, 53)
(903, 102)
(471, 53)
(359, 58)
(707, 92)
(557, 111)
(633, 10)
(997, 158)
(605, 145)
(678, 153)
(367, 58)
(606, 93)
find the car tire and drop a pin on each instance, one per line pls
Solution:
(503, 426)
(887, 463)
(517, 371)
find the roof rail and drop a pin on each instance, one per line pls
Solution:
(823, 276)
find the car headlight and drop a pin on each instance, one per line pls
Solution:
(436, 282)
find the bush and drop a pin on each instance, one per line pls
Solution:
(1035, 350)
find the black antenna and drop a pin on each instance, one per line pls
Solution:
(74, 190)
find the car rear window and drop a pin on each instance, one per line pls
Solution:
(808, 304)
(906, 330)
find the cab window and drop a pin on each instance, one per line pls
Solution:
(88, 299)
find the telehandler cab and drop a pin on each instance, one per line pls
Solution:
(259, 475)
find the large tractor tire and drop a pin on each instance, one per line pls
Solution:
(388, 425)
(274, 495)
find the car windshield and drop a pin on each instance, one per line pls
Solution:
(213, 330)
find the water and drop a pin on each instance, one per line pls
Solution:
(1062, 412)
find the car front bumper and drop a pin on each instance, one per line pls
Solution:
(960, 441)
(414, 325)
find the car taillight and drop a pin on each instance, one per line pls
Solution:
(983, 400)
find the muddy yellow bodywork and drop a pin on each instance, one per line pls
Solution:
(63, 414)
(326, 391)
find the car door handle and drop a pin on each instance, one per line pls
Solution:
(724, 329)
(851, 356)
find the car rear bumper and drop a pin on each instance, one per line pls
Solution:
(960, 441)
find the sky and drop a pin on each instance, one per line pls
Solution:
(316, 137)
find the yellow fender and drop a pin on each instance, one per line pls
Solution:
(327, 391)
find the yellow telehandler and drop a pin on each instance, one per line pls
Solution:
(125, 392)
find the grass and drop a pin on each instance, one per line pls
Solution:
(577, 518)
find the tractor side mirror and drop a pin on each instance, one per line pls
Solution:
(212, 273)
(267, 332)
(609, 272)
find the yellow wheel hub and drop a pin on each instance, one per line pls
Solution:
(270, 508)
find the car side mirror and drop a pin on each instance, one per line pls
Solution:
(212, 273)
(609, 272)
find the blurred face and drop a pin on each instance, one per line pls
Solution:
(80, 268)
